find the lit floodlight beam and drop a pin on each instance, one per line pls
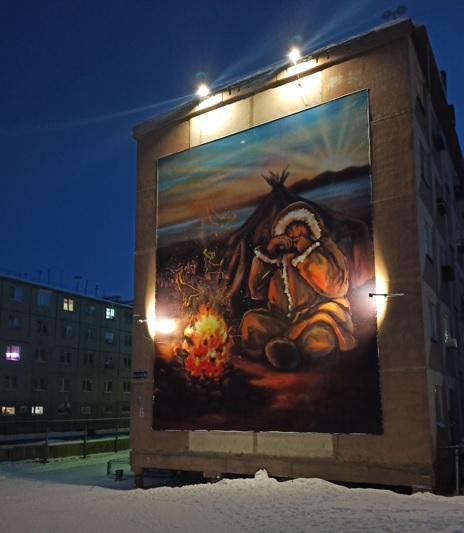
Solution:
(202, 90)
(294, 55)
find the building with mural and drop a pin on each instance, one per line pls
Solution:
(299, 273)
(66, 359)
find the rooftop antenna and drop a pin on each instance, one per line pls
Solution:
(400, 10)
(77, 278)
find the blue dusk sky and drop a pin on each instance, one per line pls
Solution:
(77, 75)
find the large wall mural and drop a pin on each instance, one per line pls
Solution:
(264, 263)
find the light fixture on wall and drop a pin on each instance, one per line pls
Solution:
(202, 90)
(386, 294)
(202, 87)
(141, 319)
(294, 55)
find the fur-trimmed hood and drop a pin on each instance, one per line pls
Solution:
(299, 212)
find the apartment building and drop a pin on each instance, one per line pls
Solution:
(65, 356)
(342, 359)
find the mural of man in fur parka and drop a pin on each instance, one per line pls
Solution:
(303, 275)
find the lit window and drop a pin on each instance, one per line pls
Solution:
(110, 313)
(14, 323)
(38, 383)
(63, 384)
(40, 355)
(108, 386)
(67, 331)
(8, 411)
(42, 326)
(87, 385)
(37, 410)
(109, 337)
(91, 310)
(126, 387)
(88, 359)
(13, 353)
(65, 357)
(68, 304)
(11, 382)
(16, 294)
(86, 410)
(109, 361)
(43, 298)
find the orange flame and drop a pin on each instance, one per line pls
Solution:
(207, 343)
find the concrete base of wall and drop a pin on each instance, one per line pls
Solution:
(407, 476)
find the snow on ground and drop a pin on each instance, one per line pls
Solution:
(76, 495)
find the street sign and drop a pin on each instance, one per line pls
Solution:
(140, 374)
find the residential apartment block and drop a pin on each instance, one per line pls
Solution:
(302, 233)
(64, 356)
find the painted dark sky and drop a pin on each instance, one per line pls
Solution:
(77, 75)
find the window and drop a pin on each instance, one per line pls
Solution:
(67, 331)
(8, 411)
(108, 386)
(446, 328)
(107, 408)
(110, 313)
(64, 408)
(37, 410)
(11, 382)
(423, 164)
(38, 383)
(109, 361)
(14, 323)
(65, 357)
(43, 298)
(127, 340)
(127, 363)
(87, 385)
(126, 387)
(438, 405)
(428, 241)
(40, 355)
(64, 384)
(16, 294)
(42, 326)
(90, 309)
(128, 317)
(13, 353)
(86, 410)
(125, 408)
(432, 321)
(90, 334)
(88, 359)
(109, 337)
(68, 304)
